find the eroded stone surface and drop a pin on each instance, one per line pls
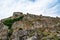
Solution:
(31, 27)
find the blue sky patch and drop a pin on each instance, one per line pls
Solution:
(32, 0)
(44, 7)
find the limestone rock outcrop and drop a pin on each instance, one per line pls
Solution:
(29, 27)
(3, 31)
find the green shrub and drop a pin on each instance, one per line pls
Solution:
(10, 21)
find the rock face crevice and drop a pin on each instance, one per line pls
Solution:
(29, 27)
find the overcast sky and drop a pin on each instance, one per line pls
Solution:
(44, 7)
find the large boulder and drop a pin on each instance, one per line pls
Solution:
(3, 31)
(19, 35)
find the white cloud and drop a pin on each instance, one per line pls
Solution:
(7, 7)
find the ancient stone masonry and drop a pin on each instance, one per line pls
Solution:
(17, 13)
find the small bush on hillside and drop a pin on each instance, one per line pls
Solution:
(10, 21)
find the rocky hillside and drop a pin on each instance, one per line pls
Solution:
(29, 27)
